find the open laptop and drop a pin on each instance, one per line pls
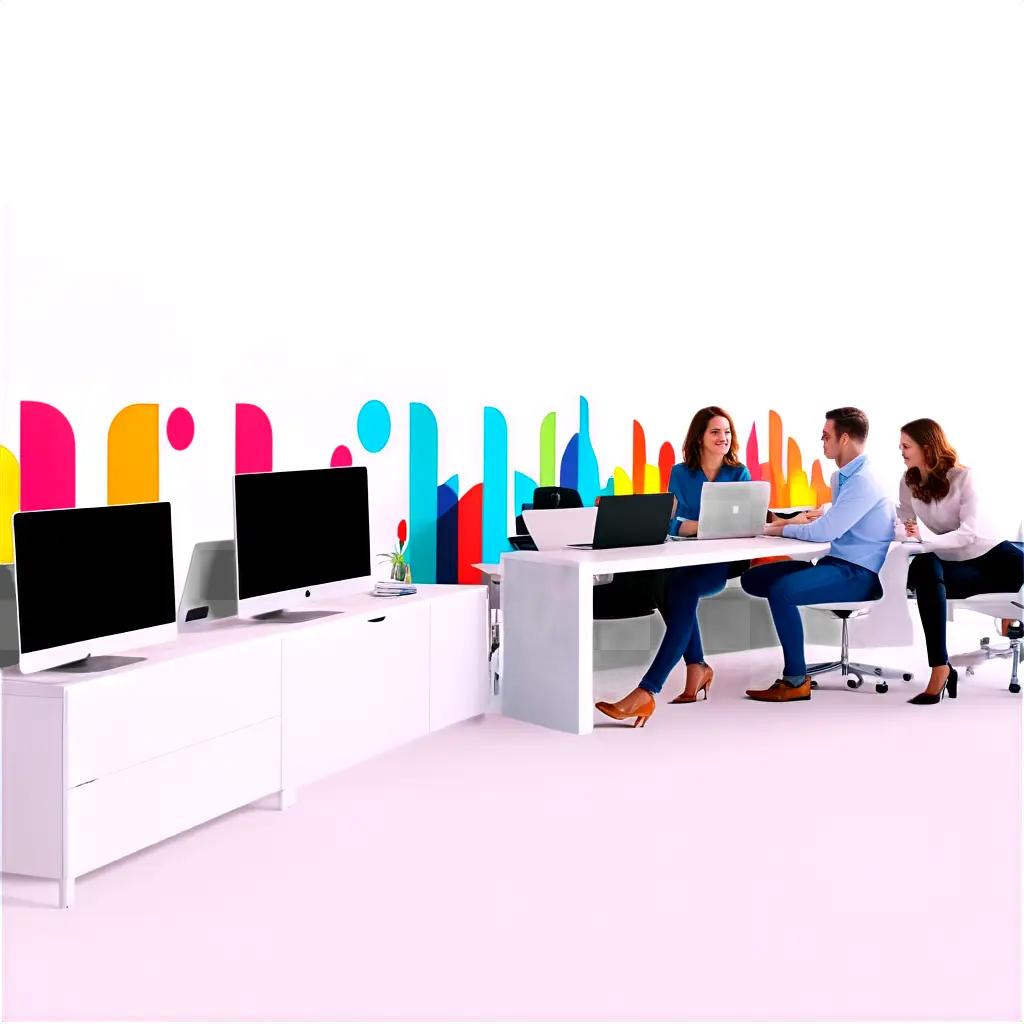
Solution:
(631, 521)
(735, 509)
(555, 528)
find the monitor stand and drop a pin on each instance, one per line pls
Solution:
(283, 615)
(101, 663)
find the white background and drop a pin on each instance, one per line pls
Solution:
(657, 205)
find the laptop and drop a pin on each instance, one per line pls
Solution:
(631, 521)
(734, 509)
(555, 528)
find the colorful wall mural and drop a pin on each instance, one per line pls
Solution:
(450, 525)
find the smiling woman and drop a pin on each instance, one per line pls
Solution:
(709, 456)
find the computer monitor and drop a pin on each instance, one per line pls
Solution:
(300, 535)
(92, 581)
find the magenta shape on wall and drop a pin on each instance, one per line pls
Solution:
(47, 458)
(342, 456)
(254, 440)
(181, 428)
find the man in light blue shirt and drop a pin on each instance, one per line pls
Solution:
(860, 525)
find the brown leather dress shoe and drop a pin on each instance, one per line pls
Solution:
(638, 702)
(781, 691)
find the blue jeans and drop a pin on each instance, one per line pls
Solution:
(684, 587)
(790, 584)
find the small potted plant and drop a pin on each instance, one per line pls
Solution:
(400, 568)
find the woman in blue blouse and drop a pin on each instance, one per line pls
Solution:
(709, 456)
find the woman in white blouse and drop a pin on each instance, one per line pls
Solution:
(964, 557)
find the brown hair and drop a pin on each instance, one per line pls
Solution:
(939, 456)
(849, 420)
(695, 437)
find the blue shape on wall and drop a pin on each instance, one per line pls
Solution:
(422, 493)
(494, 532)
(374, 426)
(448, 531)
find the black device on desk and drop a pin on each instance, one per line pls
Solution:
(631, 521)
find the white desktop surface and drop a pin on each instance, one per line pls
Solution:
(206, 634)
(672, 553)
(547, 602)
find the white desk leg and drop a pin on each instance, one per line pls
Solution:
(66, 894)
(548, 645)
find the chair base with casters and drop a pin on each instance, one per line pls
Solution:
(887, 625)
(854, 671)
(999, 606)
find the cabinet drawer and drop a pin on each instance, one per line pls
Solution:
(132, 809)
(121, 720)
(353, 691)
(459, 639)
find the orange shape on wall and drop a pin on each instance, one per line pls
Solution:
(133, 455)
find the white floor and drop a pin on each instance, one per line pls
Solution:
(851, 857)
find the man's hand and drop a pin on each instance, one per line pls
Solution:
(803, 518)
(775, 529)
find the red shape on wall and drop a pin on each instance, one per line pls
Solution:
(47, 458)
(254, 440)
(471, 544)
(753, 457)
(341, 457)
(666, 460)
(639, 458)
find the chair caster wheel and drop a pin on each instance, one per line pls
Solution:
(970, 670)
(907, 676)
(881, 687)
(854, 684)
(814, 684)
(1014, 687)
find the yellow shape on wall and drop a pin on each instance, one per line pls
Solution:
(133, 455)
(652, 479)
(800, 491)
(622, 482)
(10, 499)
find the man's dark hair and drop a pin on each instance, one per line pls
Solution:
(849, 420)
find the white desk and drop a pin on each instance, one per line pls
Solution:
(548, 617)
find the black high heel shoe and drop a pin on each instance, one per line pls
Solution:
(934, 698)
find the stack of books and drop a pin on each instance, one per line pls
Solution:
(392, 588)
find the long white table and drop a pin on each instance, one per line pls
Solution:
(548, 617)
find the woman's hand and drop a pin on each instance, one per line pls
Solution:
(912, 531)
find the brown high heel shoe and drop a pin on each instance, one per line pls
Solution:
(705, 686)
(638, 702)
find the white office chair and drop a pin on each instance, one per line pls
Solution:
(999, 606)
(887, 623)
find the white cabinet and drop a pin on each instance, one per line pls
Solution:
(96, 767)
(161, 706)
(459, 644)
(129, 810)
(353, 689)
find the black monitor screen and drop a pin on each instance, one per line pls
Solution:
(84, 573)
(300, 529)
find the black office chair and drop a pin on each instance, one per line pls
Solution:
(628, 595)
(557, 497)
